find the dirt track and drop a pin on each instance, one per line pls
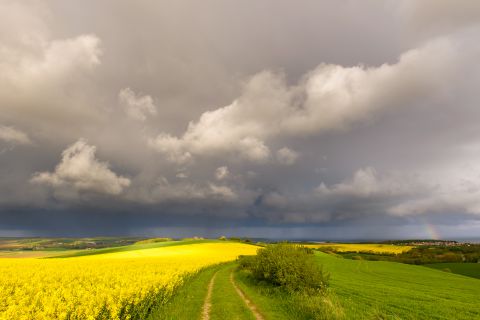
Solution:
(207, 305)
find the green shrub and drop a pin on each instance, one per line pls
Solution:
(246, 262)
(290, 267)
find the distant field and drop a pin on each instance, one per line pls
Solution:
(43, 244)
(133, 247)
(34, 254)
(362, 247)
(466, 269)
(389, 290)
(9, 244)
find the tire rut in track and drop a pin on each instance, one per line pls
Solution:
(253, 308)
(207, 305)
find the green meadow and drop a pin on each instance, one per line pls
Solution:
(466, 269)
(379, 289)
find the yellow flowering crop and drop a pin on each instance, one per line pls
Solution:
(122, 285)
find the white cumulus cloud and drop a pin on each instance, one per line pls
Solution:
(81, 170)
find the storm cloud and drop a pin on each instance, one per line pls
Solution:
(268, 118)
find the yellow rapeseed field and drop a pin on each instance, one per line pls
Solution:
(362, 247)
(119, 285)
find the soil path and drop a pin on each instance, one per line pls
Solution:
(247, 301)
(207, 305)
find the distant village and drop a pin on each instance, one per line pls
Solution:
(433, 243)
(429, 242)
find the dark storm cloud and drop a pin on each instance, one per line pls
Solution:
(216, 117)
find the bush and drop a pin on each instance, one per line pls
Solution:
(246, 262)
(290, 267)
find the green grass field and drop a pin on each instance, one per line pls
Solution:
(466, 269)
(369, 289)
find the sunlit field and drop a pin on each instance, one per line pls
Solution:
(362, 247)
(119, 285)
(31, 254)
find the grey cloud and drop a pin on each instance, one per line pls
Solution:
(43, 79)
(269, 115)
(449, 197)
(367, 183)
(136, 107)
(287, 156)
(369, 193)
(12, 135)
(444, 15)
(365, 194)
(329, 98)
(222, 173)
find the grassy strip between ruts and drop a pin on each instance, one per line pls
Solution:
(226, 303)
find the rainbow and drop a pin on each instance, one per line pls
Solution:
(431, 230)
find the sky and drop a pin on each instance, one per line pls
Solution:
(283, 119)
